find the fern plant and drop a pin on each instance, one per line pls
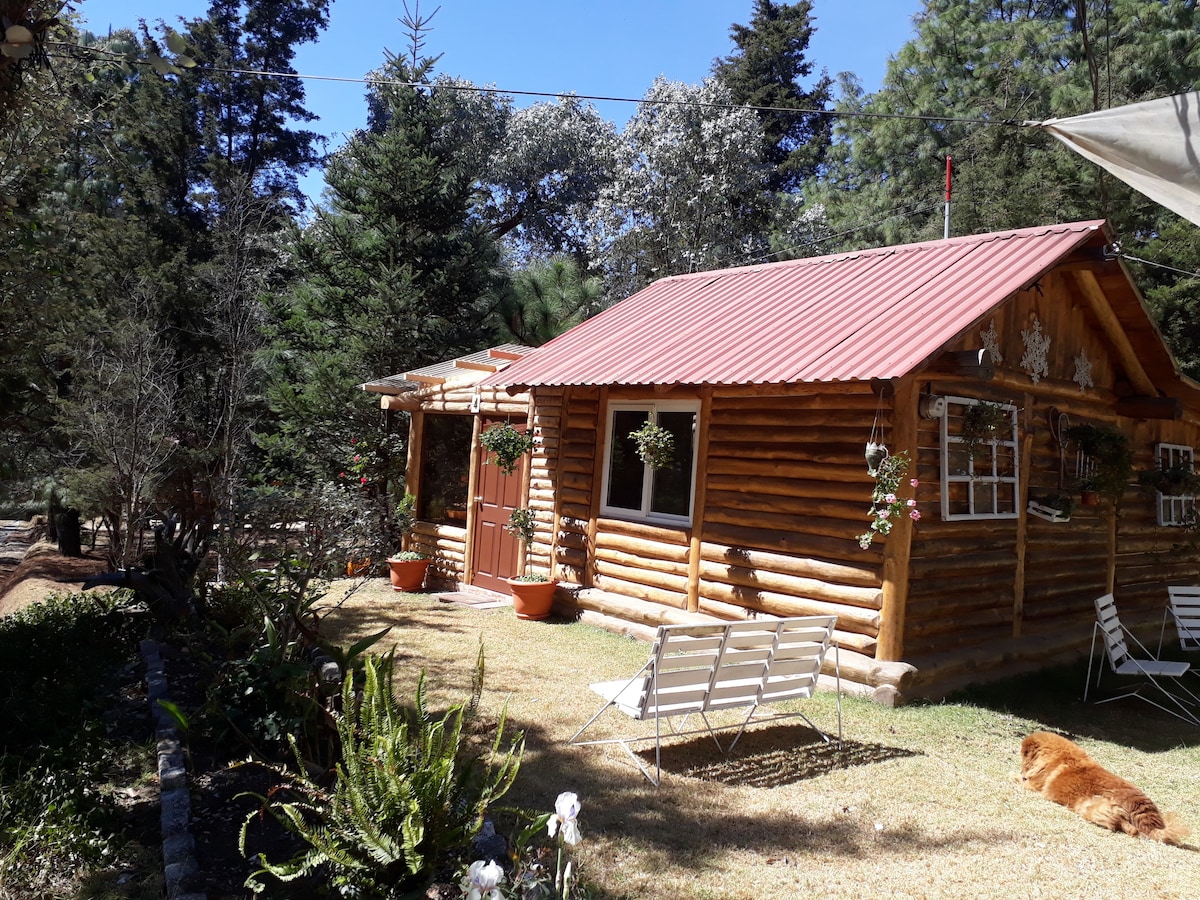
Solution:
(408, 790)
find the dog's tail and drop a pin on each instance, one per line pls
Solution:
(1170, 831)
(1150, 823)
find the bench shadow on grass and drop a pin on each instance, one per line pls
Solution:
(766, 756)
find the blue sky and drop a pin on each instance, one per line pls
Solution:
(615, 48)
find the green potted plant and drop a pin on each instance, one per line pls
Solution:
(1176, 480)
(532, 592)
(407, 568)
(506, 444)
(982, 423)
(1108, 461)
(1053, 507)
(655, 445)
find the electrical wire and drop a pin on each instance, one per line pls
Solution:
(1158, 265)
(490, 89)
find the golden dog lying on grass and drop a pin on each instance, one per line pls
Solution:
(1063, 772)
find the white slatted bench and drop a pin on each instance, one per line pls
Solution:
(697, 669)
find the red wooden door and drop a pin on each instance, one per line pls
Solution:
(495, 550)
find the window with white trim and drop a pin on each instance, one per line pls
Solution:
(1175, 509)
(635, 490)
(979, 482)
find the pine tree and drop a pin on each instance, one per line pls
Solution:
(767, 70)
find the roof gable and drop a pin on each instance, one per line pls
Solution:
(846, 317)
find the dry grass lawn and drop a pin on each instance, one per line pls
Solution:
(921, 802)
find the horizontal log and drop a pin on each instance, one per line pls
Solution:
(634, 610)
(852, 618)
(752, 506)
(447, 531)
(827, 548)
(566, 556)
(719, 573)
(816, 395)
(858, 492)
(730, 421)
(786, 468)
(820, 526)
(651, 578)
(814, 451)
(572, 539)
(677, 553)
(636, 561)
(638, 591)
(642, 531)
(573, 524)
(574, 574)
(860, 575)
(574, 510)
(579, 480)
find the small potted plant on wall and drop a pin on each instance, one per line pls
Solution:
(1177, 480)
(408, 567)
(506, 444)
(981, 425)
(532, 592)
(1108, 458)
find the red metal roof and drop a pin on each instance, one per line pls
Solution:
(848, 317)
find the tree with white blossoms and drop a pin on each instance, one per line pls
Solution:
(539, 169)
(690, 191)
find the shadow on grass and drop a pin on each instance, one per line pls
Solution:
(768, 757)
(1053, 697)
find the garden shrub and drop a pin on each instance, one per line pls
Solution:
(410, 788)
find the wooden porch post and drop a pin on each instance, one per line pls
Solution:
(693, 582)
(1022, 520)
(597, 483)
(898, 544)
(472, 489)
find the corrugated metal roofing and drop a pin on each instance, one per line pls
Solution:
(847, 317)
(480, 361)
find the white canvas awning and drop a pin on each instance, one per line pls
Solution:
(1153, 146)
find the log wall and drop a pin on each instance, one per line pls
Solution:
(977, 584)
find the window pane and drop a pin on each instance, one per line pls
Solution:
(625, 471)
(672, 491)
(445, 468)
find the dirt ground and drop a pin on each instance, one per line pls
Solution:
(31, 570)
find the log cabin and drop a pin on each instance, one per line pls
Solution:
(771, 380)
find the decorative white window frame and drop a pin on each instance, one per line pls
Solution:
(981, 482)
(1178, 510)
(652, 408)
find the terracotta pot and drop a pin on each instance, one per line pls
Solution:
(532, 599)
(356, 567)
(407, 575)
(1088, 498)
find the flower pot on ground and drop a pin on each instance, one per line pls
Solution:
(408, 567)
(532, 599)
(407, 571)
(532, 593)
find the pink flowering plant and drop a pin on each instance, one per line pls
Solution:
(887, 505)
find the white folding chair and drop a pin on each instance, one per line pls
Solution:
(1146, 668)
(1183, 605)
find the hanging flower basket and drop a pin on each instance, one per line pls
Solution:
(507, 444)
(655, 445)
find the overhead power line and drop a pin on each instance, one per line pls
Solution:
(491, 89)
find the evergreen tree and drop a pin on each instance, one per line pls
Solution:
(396, 272)
(767, 70)
(976, 70)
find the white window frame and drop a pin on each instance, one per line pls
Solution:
(973, 478)
(1178, 510)
(645, 514)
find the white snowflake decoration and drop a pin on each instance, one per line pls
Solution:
(1083, 371)
(1036, 345)
(991, 343)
